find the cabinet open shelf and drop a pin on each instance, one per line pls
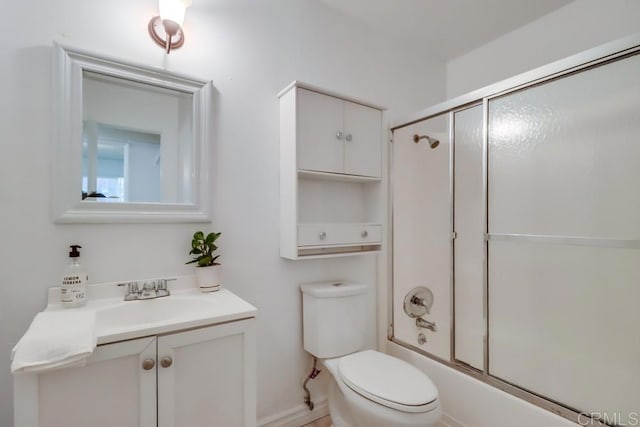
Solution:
(336, 176)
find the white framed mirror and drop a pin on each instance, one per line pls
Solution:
(131, 142)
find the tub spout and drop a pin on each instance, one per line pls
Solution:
(421, 323)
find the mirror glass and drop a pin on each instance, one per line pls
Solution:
(137, 142)
(131, 142)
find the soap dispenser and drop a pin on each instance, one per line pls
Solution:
(73, 292)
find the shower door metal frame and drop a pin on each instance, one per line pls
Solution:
(601, 55)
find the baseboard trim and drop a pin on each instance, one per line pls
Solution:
(301, 415)
(297, 416)
(448, 421)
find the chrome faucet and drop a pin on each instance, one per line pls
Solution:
(151, 289)
(421, 323)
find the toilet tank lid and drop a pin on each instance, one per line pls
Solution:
(334, 289)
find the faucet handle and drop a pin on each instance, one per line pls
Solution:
(161, 287)
(162, 283)
(132, 290)
(418, 302)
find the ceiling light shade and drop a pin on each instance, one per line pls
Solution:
(166, 29)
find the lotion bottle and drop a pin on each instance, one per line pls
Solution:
(73, 292)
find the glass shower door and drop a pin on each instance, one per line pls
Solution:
(563, 250)
(468, 250)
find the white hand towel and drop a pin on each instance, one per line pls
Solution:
(56, 339)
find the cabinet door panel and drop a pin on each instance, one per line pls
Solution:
(111, 390)
(211, 380)
(363, 138)
(319, 119)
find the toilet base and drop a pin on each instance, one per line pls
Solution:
(339, 414)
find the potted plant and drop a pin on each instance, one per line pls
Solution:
(203, 247)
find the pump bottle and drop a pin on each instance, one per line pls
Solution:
(73, 292)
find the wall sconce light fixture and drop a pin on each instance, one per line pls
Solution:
(166, 29)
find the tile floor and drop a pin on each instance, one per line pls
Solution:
(322, 422)
(326, 422)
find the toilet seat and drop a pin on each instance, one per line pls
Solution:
(388, 381)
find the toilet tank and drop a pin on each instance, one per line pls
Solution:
(334, 318)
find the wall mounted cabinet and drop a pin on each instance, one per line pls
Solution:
(330, 174)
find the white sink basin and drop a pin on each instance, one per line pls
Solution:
(186, 308)
(118, 320)
(134, 314)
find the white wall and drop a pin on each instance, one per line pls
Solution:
(578, 26)
(250, 49)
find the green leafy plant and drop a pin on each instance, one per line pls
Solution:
(203, 248)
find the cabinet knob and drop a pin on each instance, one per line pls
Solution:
(148, 364)
(322, 235)
(364, 233)
(339, 136)
(348, 137)
(166, 361)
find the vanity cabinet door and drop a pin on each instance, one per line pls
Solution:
(363, 140)
(206, 377)
(113, 389)
(320, 132)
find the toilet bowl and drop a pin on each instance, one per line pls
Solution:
(369, 388)
(372, 389)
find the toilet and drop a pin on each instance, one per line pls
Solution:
(368, 388)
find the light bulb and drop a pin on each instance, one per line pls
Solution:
(173, 10)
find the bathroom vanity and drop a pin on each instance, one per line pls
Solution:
(173, 361)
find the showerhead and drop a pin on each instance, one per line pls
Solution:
(433, 143)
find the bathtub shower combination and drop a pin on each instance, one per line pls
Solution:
(518, 207)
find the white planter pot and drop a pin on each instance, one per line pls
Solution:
(208, 278)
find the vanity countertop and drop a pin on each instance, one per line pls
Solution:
(187, 307)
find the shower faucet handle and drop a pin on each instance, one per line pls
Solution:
(339, 136)
(418, 302)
